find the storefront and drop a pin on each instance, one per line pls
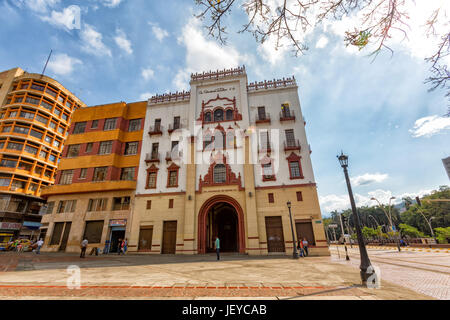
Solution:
(8, 230)
(30, 230)
(117, 231)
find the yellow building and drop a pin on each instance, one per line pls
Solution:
(96, 181)
(35, 116)
(224, 160)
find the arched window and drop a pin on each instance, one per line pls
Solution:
(218, 115)
(219, 140)
(208, 116)
(231, 140)
(229, 114)
(220, 173)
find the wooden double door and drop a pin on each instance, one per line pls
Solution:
(275, 237)
(169, 244)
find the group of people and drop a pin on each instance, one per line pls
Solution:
(302, 247)
(121, 247)
(19, 245)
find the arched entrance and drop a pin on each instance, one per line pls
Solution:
(221, 216)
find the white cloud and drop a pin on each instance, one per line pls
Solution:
(68, 19)
(62, 64)
(429, 126)
(203, 55)
(92, 42)
(111, 3)
(40, 6)
(148, 73)
(123, 42)
(368, 178)
(322, 42)
(159, 33)
(146, 96)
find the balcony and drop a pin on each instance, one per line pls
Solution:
(287, 116)
(292, 145)
(262, 118)
(155, 130)
(173, 127)
(174, 155)
(152, 157)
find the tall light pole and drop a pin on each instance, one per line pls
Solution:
(294, 242)
(366, 268)
(389, 216)
(345, 239)
(419, 204)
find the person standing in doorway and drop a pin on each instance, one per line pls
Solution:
(125, 246)
(84, 245)
(40, 243)
(218, 248)
(119, 247)
(305, 246)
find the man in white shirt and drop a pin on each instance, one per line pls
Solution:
(84, 245)
(40, 243)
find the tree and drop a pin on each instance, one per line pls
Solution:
(410, 231)
(288, 23)
(442, 234)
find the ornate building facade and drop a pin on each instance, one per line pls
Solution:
(35, 117)
(224, 160)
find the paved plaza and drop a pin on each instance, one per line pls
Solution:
(45, 276)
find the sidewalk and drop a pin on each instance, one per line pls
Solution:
(187, 277)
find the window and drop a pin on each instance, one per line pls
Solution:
(261, 113)
(50, 207)
(173, 178)
(149, 204)
(23, 130)
(57, 232)
(61, 130)
(105, 147)
(151, 180)
(97, 205)
(83, 173)
(121, 203)
(285, 110)
(208, 117)
(57, 111)
(14, 146)
(294, 167)
(80, 127)
(220, 173)
(264, 140)
(94, 124)
(4, 182)
(219, 140)
(127, 174)
(229, 114)
(38, 117)
(110, 124)
(290, 138)
(131, 148)
(43, 154)
(176, 123)
(8, 163)
(134, 125)
(56, 143)
(268, 172)
(100, 174)
(31, 150)
(66, 177)
(299, 196)
(66, 206)
(271, 198)
(52, 158)
(89, 147)
(170, 203)
(218, 115)
(93, 231)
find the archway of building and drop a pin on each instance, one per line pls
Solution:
(221, 216)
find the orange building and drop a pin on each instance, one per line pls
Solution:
(96, 179)
(35, 116)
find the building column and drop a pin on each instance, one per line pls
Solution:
(252, 234)
(189, 235)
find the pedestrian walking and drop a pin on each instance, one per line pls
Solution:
(305, 247)
(119, 247)
(40, 243)
(125, 246)
(84, 245)
(218, 248)
(301, 252)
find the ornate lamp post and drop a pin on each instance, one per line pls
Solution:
(294, 242)
(365, 266)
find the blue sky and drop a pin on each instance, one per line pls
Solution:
(379, 112)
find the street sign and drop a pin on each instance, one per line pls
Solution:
(333, 225)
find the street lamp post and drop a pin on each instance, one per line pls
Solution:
(294, 253)
(366, 268)
(389, 216)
